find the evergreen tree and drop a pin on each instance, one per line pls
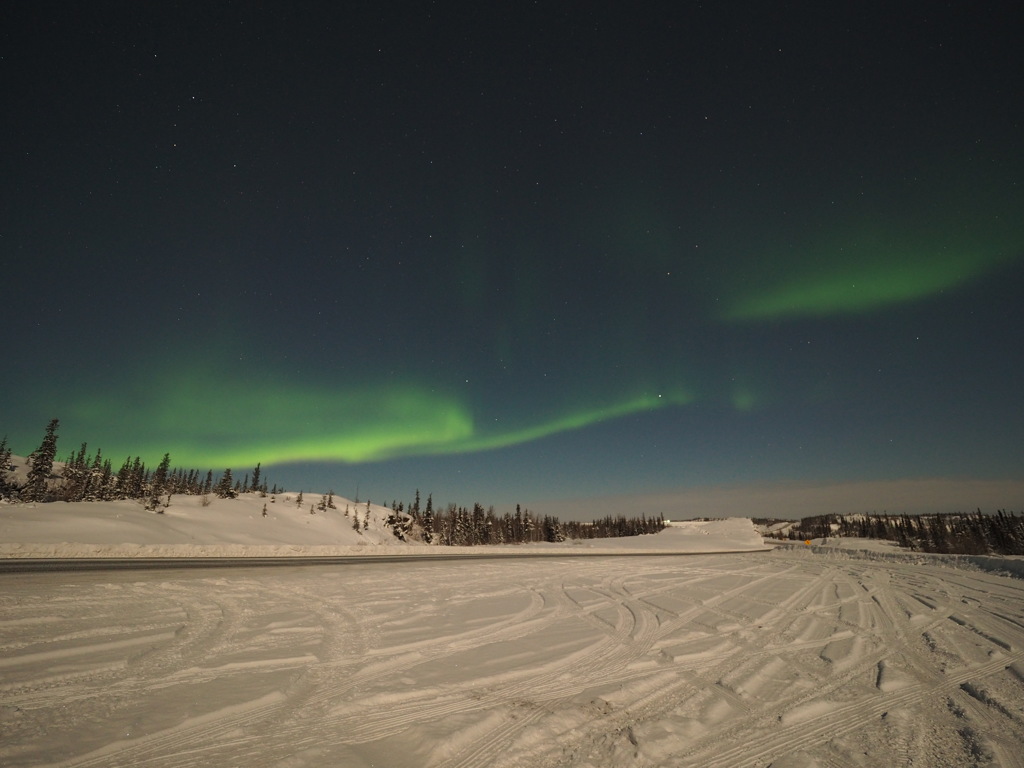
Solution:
(5, 456)
(92, 477)
(462, 528)
(136, 479)
(225, 488)
(72, 486)
(529, 527)
(74, 476)
(41, 463)
(477, 534)
(121, 481)
(103, 487)
(6, 487)
(427, 521)
(159, 481)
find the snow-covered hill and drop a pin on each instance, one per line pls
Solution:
(222, 527)
(207, 526)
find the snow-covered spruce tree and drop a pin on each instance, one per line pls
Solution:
(121, 480)
(41, 463)
(130, 479)
(461, 527)
(72, 488)
(6, 487)
(400, 524)
(551, 529)
(156, 487)
(101, 484)
(427, 521)
(101, 479)
(225, 488)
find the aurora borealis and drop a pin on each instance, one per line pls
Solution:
(524, 254)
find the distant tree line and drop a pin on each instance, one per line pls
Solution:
(92, 477)
(957, 533)
(468, 526)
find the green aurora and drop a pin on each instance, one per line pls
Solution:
(860, 282)
(207, 421)
(858, 265)
(873, 261)
(219, 419)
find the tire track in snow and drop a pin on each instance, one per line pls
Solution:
(551, 683)
(817, 730)
(806, 732)
(888, 622)
(367, 676)
(632, 637)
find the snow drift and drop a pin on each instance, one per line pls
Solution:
(196, 527)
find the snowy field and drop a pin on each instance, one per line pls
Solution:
(194, 527)
(794, 657)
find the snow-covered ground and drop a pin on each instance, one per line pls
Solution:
(237, 527)
(794, 657)
(781, 658)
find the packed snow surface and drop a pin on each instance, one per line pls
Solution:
(795, 657)
(792, 657)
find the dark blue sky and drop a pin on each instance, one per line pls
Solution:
(521, 254)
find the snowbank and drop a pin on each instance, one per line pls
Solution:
(875, 549)
(238, 528)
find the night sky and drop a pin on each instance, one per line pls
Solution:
(572, 255)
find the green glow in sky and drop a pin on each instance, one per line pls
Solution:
(743, 399)
(847, 290)
(567, 422)
(861, 273)
(209, 422)
(225, 422)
